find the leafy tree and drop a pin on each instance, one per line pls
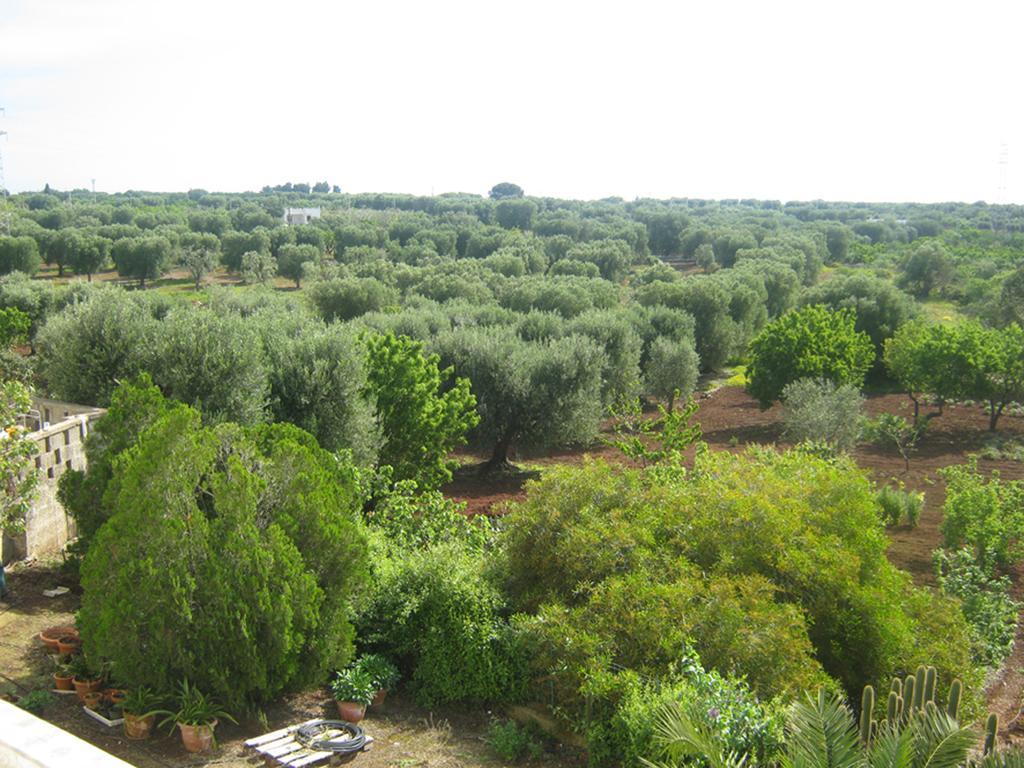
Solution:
(672, 370)
(528, 393)
(347, 298)
(1010, 304)
(505, 190)
(19, 254)
(664, 230)
(214, 363)
(316, 375)
(879, 307)
(258, 268)
(927, 269)
(231, 559)
(14, 329)
(88, 254)
(60, 248)
(705, 257)
(420, 416)
(612, 257)
(813, 342)
(819, 411)
(143, 258)
(985, 514)
(234, 246)
(292, 258)
(200, 254)
(707, 301)
(92, 345)
(516, 214)
(890, 430)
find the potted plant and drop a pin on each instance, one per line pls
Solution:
(85, 679)
(93, 699)
(353, 689)
(196, 717)
(63, 674)
(385, 675)
(69, 644)
(140, 707)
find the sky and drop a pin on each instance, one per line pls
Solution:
(832, 99)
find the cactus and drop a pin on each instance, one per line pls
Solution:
(991, 726)
(908, 695)
(894, 708)
(929, 684)
(897, 686)
(867, 708)
(919, 689)
(956, 688)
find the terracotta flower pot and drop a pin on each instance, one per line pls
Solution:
(351, 711)
(138, 728)
(378, 697)
(51, 635)
(62, 682)
(115, 695)
(197, 738)
(68, 645)
(92, 699)
(83, 687)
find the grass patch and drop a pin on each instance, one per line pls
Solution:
(941, 311)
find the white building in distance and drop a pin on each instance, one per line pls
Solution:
(300, 215)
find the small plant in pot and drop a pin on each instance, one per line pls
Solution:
(385, 675)
(197, 716)
(85, 678)
(353, 689)
(63, 675)
(140, 707)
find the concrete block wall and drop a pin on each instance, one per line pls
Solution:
(61, 446)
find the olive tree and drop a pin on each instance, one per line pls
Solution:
(85, 350)
(529, 394)
(19, 254)
(818, 410)
(200, 254)
(672, 369)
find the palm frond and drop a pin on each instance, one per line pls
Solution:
(939, 741)
(893, 747)
(820, 733)
(681, 736)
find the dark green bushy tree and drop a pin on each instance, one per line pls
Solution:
(347, 298)
(230, 559)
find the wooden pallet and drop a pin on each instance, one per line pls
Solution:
(281, 748)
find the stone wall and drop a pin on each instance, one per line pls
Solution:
(61, 447)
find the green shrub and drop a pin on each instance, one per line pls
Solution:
(898, 505)
(433, 611)
(231, 558)
(986, 603)
(818, 410)
(36, 701)
(412, 520)
(748, 725)
(984, 514)
(512, 742)
(773, 563)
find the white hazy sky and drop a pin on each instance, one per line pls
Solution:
(783, 100)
